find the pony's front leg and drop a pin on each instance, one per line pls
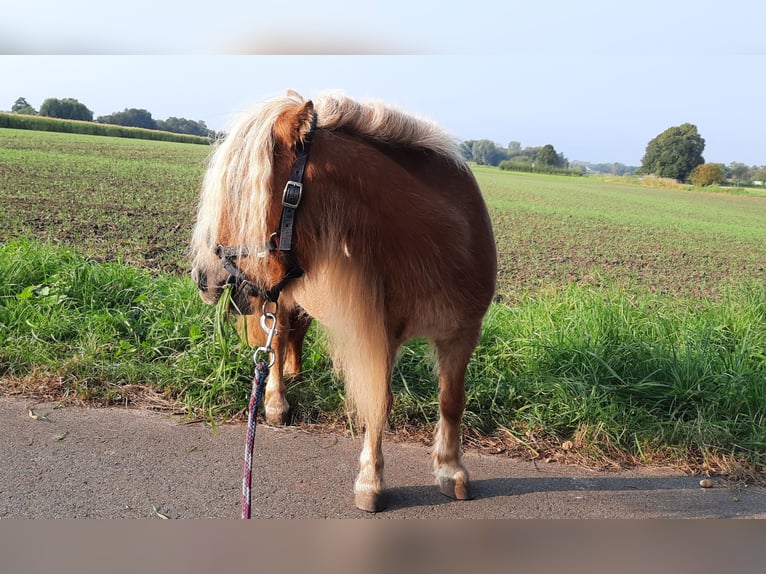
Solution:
(299, 321)
(368, 373)
(275, 403)
(369, 489)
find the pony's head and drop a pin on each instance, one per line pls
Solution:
(234, 236)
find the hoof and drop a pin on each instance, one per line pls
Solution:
(276, 419)
(371, 502)
(455, 489)
(276, 416)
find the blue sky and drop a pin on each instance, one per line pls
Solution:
(596, 79)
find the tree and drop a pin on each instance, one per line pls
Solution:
(531, 152)
(618, 168)
(130, 117)
(184, 126)
(547, 156)
(739, 172)
(67, 109)
(674, 153)
(487, 152)
(466, 150)
(707, 174)
(21, 106)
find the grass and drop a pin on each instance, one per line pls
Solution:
(620, 378)
(632, 326)
(553, 231)
(117, 198)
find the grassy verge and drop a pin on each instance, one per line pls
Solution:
(601, 376)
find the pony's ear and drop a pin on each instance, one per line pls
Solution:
(294, 95)
(293, 124)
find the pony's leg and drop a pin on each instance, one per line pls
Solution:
(369, 488)
(275, 403)
(453, 356)
(300, 322)
(367, 368)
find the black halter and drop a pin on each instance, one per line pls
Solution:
(291, 198)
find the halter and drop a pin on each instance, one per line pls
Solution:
(291, 198)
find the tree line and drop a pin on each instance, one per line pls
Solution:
(487, 152)
(71, 109)
(676, 153)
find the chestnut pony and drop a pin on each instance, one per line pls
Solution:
(393, 240)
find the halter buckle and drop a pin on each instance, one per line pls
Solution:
(291, 196)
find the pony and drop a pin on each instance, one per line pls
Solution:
(384, 237)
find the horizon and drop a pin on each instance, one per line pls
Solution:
(598, 119)
(595, 80)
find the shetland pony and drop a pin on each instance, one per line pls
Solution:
(393, 240)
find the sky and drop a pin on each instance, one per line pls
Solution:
(597, 79)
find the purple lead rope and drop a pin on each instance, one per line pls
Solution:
(259, 383)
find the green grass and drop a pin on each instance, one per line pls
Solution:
(553, 231)
(619, 376)
(110, 197)
(633, 322)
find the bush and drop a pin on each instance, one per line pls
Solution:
(707, 174)
(510, 165)
(67, 109)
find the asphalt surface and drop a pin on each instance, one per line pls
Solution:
(76, 462)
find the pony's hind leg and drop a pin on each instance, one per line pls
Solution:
(453, 357)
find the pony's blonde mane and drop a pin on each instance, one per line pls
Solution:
(237, 182)
(378, 121)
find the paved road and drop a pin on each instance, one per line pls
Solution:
(121, 463)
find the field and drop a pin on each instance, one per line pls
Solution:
(553, 231)
(630, 324)
(112, 198)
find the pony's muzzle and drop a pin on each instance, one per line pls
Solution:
(240, 292)
(240, 301)
(200, 278)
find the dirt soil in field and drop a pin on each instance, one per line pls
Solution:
(82, 462)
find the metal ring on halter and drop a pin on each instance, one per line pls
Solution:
(266, 303)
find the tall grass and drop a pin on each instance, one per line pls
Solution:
(101, 327)
(618, 375)
(636, 374)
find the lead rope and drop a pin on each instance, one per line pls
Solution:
(269, 326)
(259, 382)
